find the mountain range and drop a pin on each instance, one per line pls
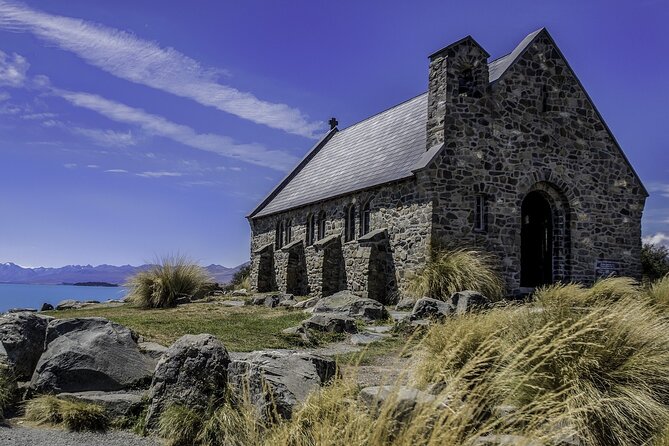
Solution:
(13, 273)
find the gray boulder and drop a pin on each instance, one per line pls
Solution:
(405, 304)
(258, 300)
(85, 354)
(22, 310)
(46, 307)
(69, 304)
(192, 372)
(22, 342)
(275, 382)
(331, 323)
(467, 301)
(116, 404)
(348, 304)
(428, 308)
(403, 399)
(307, 303)
(152, 349)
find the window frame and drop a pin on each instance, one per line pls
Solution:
(322, 219)
(311, 220)
(480, 213)
(278, 235)
(366, 218)
(349, 223)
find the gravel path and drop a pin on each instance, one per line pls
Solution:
(44, 436)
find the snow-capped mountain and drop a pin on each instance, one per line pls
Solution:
(13, 273)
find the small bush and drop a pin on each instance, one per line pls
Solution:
(162, 284)
(654, 261)
(658, 292)
(180, 425)
(73, 415)
(7, 390)
(450, 271)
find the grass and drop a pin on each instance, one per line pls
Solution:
(170, 279)
(7, 390)
(239, 328)
(450, 271)
(74, 416)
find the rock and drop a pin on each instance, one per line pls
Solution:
(404, 399)
(240, 293)
(367, 338)
(277, 381)
(182, 300)
(331, 323)
(69, 304)
(258, 300)
(233, 303)
(85, 354)
(466, 301)
(428, 308)
(46, 307)
(22, 342)
(192, 372)
(116, 404)
(92, 302)
(22, 310)
(288, 303)
(308, 303)
(346, 303)
(273, 300)
(405, 304)
(152, 349)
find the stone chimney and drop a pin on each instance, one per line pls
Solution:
(458, 81)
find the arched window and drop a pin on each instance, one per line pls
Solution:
(278, 236)
(365, 218)
(349, 223)
(289, 231)
(311, 229)
(321, 225)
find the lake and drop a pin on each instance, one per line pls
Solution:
(33, 296)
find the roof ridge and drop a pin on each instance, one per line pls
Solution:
(382, 111)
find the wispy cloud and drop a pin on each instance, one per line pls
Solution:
(107, 138)
(159, 174)
(116, 171)
(4, 96)
(659, 238)
(12, 69)
(128, 57)
(662, 188)
(69, 165)
(93, 166)
(158, 125)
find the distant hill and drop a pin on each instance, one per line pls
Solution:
(13, 273)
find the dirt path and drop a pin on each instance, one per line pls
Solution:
(24, 435)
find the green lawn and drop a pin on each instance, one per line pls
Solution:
(239, 328)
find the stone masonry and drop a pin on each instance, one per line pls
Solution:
(517, 161)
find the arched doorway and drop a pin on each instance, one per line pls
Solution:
(296, 274)
(266, 277)
(536, 241)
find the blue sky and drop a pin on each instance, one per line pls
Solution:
(133, 129)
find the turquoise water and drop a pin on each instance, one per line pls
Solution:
(33, 296)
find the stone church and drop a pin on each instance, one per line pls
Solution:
(508, 156)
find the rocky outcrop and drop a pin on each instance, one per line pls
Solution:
(403, 399)
(22, 342)
(46, 307)
(348, 304)
(193, 372)
(275, 382)
(85, 354)
(405, 304)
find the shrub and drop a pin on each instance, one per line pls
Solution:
(450, 271)
(73, 415)
(658, 292)
(162, 284)
(603, 367)
(180, 425)
(7, 390)
(241, 279)
(654, 261)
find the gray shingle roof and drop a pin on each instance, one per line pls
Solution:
(383, 148)
(380, 149)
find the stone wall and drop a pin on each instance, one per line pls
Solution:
(385, 261)
(533, 129)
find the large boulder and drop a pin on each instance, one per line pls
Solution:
(275, 382)
(348, 304)
(403, 400)
(22, 342)
(192, 372)
(428, 308)
(85, 354)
